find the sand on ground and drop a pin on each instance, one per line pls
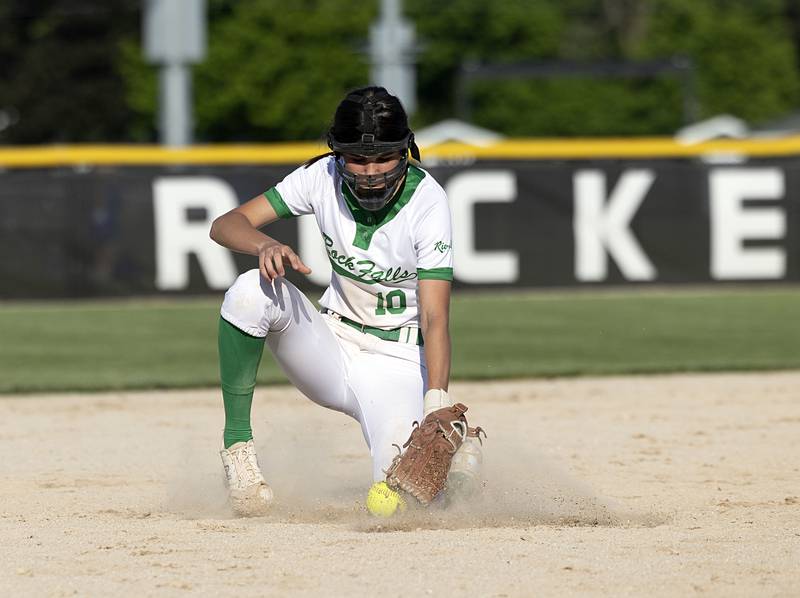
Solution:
(621, 486)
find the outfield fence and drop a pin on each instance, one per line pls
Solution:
(104, 221)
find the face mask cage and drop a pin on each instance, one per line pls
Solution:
(372, 192)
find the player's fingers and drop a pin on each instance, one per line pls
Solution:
(262, 266)
(277, 259)
(301, 267)
(297, 263)
(269, 266)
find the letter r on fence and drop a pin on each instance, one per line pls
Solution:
(178, 235)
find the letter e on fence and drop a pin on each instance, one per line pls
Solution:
(732, 223)
(177, 201)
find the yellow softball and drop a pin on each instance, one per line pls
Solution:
(382, 501)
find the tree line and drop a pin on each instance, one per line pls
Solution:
(73, 70)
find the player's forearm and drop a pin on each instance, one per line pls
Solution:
(437, 353)
(235, 232)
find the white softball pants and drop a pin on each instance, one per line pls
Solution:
(379, 383)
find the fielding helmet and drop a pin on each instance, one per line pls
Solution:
(364, 138)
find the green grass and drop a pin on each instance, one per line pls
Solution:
(172, 343)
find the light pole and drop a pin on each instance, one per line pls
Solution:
(174, 33)
(392, 48)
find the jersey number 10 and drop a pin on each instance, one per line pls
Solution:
(395, 303)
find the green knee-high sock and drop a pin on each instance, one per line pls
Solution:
(239, 357)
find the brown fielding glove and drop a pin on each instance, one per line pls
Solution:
(421, 469)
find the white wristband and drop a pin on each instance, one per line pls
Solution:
(435, 398)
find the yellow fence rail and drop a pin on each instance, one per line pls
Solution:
(291, 153)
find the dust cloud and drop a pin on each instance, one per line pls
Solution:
(324, 478)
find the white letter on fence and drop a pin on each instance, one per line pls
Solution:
(603, 226)
(179, 233)
(465, 190)
(732, 223)
(311, 249)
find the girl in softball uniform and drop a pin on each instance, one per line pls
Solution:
(379, 349)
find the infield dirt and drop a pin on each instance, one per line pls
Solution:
(659, 486)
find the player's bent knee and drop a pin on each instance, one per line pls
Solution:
(244, 304)
(257, 306)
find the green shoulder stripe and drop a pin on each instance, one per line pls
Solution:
(276, 201)
(435, 274)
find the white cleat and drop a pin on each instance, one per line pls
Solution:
(464, 477)
(250, 495)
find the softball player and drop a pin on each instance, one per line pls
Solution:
(379, 349)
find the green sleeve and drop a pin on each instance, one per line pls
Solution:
(276, 201)
(435, 274)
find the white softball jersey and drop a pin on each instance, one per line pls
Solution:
(376, 257)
